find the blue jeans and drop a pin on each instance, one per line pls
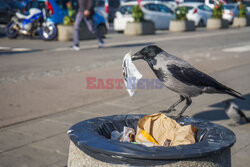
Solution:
(90, 24)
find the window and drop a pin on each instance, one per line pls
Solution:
(164, 9)
(99, 3)
(230, 7)
(207, 8)
(152, 7)
(35, 4)
(3, 6)
(126, 9)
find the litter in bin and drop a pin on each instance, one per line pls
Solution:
(131, 74)
(164, 131)
(115, 135)
(157, 130)
(127, 135)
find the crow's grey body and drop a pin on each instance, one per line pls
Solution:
(165, 64)
(180, 77)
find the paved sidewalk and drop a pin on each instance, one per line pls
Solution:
(53, 99)
(44, 142)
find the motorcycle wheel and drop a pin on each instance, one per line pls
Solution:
(10, 31)
(48, 32)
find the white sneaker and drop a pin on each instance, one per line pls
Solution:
(74, 47)
(101, 45)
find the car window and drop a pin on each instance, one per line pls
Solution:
(208, 8)
(202, 1)
(114, 3)
(164, 9)
(189, 8)
(230, 7)
(152, 7)
(205, 7)
(247, 3)
(126, 9)
(3, 5)
(35, 4)
(99, 3)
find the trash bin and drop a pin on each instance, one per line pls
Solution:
(90, 145)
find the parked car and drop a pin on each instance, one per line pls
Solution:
(197, 12)
(9, 8)
(230, 11)
(5, 12)
(107, 8)
(247, 3)
(172, 4)
(17, 5)
(156, 12)
(57, 10)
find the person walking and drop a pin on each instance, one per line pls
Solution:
(86, 13)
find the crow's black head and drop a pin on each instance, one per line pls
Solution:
(147, 53)
(227, 103)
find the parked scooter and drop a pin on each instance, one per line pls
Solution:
(31, 24)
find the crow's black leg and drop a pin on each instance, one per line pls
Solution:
(188, 103)
(172, 108)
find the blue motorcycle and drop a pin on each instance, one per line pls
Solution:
(30, 24)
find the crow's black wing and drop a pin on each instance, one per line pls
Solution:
(192, 76)
(160, 74)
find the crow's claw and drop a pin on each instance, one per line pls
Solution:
(181, 116)
(168, 110)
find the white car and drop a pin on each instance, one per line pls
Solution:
(172, 4)
(197, 12)
(230, 11)
(156, 12)
(247, 3)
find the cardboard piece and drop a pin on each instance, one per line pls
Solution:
(164, 131)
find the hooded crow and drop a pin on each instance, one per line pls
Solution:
(234, 112)
(180, 77)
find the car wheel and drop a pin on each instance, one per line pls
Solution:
(102, 29)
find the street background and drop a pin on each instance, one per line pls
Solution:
(43, 88)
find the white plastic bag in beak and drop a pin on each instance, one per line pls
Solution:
(131, 74)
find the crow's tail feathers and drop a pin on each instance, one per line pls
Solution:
(247, 120)
(233, 93)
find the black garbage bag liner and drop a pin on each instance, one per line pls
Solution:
(93, 137)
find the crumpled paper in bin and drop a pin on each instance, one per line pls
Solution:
(164, 131)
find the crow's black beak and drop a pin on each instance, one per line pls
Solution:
(137, 56)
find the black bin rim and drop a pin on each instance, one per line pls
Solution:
(85, 136)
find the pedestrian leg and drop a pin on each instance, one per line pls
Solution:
(92, 28)
(78, 21)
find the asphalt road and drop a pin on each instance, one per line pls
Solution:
(26, 64)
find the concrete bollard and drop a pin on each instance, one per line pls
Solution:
(66, 32)
(142, 28)
(177, 26)
(213, 24)
(239, 22)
